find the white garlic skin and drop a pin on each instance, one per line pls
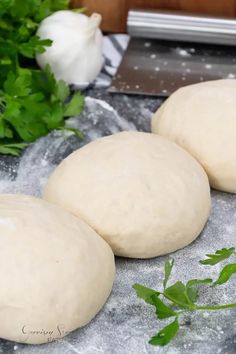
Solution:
(75, 55)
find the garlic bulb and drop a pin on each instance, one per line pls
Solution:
(75, 55)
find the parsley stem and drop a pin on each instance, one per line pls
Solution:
(217, 307)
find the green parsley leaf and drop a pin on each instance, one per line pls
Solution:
(12, 149)
(12, 110)
(75, 106)
(145, 293)
(226, 274)
(5, 131)
(162, 310)
(177, 293)
(33, 46)
(218, 256)
(32, 101)
(73, 130)
(183, 297)
(191, 289)
(168, 268)
(61, 91)
(54, 117)
(5, 25)
(21, 8)
(17, 85)
(5, 5)
(28, 127)
(57, 5)
(163, 337)
(44, 10)
(45, 81)
(7, 48)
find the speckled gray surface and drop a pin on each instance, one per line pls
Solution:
(159, 67)
(125, 323)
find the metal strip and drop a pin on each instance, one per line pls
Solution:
(181, 27)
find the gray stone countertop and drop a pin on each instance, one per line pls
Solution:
(125, 323)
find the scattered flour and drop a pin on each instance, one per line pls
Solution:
(126, 323)
(183, 52)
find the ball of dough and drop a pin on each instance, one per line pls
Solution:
(143, 194)
(202, 119)
(56, 272)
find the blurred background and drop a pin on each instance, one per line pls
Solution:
(114, 12)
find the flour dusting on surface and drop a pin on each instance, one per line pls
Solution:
(126, 323)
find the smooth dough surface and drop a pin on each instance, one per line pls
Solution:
(143, 194)
(56, 272)
(202, 119)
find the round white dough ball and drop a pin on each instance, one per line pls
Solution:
(202, 119)
(56, 272)
(143, 194)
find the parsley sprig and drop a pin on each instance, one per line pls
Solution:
(32, 102)
(176, 299)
